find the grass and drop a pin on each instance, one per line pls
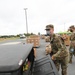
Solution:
(12, 38)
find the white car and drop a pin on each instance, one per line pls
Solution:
(22, 36)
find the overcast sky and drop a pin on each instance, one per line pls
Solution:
(40, 13)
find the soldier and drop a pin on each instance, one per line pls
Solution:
(58, 53)
(72, 44)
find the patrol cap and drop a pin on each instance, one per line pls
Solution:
(49, 26)
(72, 27)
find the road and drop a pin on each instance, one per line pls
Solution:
(13, 41)
(41, 52)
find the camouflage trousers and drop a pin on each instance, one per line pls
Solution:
(71, 54)
(63, 64)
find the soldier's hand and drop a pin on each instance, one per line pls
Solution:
(48, 50)
(53, 58)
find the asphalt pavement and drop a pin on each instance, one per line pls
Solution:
(41, 52)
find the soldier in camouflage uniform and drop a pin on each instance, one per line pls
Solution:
(58, 53)
(72, 44)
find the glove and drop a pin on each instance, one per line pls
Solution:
(71, 50)
(53, 58)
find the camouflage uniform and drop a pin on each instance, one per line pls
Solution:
(72, 46)
(60, 54)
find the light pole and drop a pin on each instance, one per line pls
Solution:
(26, 19)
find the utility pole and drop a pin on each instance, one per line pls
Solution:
(26, 19)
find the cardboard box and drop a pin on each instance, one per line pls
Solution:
(48, 49)
(43, 36)
(47, 38)
(67, 41)
(28, 40)
(35, 52)
(35, 41)
(34, 36)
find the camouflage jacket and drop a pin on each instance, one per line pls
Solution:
(58, 49)
(72, 38)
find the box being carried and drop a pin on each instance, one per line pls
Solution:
(47, 38)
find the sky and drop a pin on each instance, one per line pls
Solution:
(60, 13)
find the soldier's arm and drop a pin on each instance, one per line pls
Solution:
(70, 37)
(59, 47)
